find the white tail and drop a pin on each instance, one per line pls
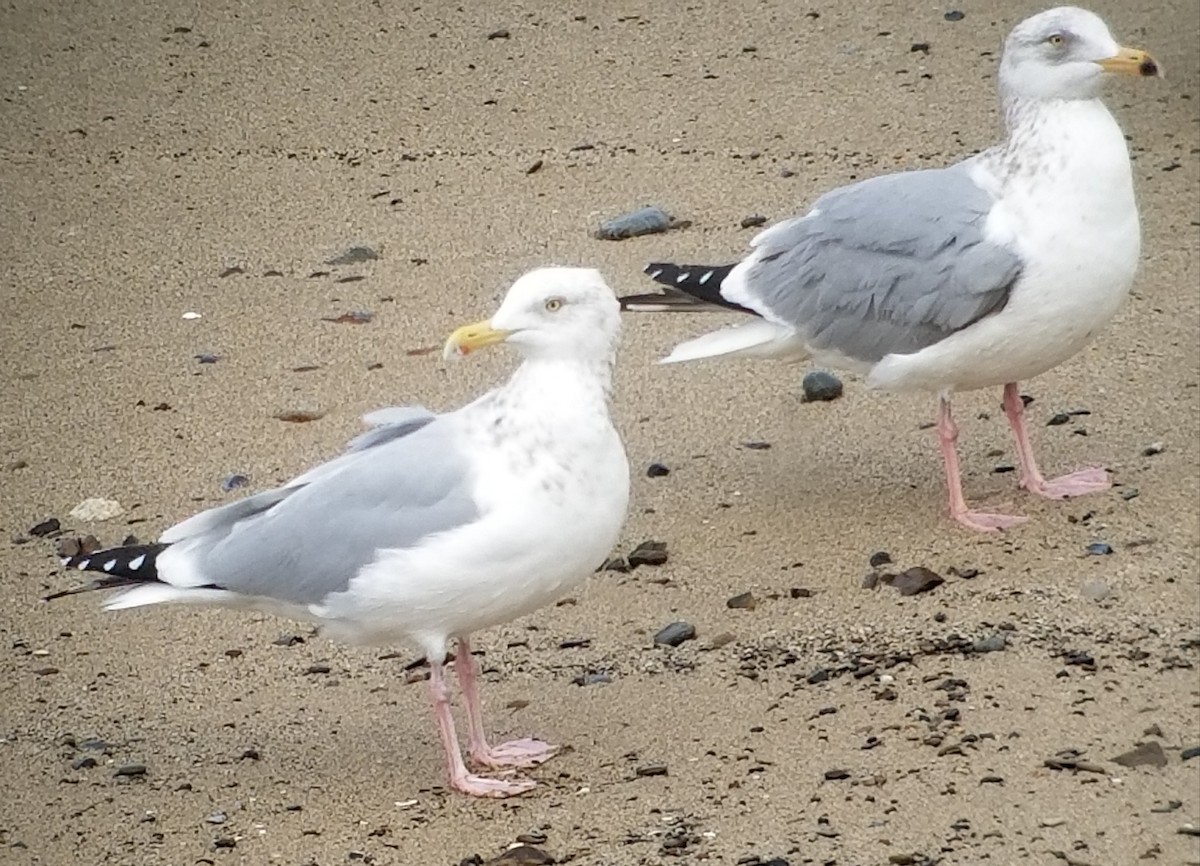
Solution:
(755, 339)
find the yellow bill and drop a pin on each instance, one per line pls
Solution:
(1131, 61)
(470, 338)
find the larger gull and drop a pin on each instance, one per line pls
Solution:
(983, 273)
(430, 527)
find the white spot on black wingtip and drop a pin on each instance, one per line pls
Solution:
(83, 564)
(708, 275)
(655, 274)
(110, 565)
(682, 278)
(137, 562)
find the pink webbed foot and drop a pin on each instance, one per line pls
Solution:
(485, 786)
(1080, 483)
(516, 753)
(983, 521)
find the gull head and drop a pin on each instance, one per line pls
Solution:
(549, 313)
(1066, 53)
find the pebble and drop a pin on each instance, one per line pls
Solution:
(318, 669)
(820, 385)
(756, 445)
(675, 634)
(800, 592)
(879, 558)
(836, 775)
(1129, 493)
(753, 221)
(723, 639)
(1099, 548)
(646, 221)
(1153, 448)
(955, 15)
(130, 770)
(1059, 419)
(1149, 754)
(1188, 754)
(49, 526)
(216, 818)
(354, 256)
(1052, 822)
(522, 855)
(651, 770)
(592, 678)
(914, 580)
(742, 601)
(208, 357)
(234, 481)
(84, 762)
(499, 34)
(95, 508)
(990, 644)
(657, 470)
(648, 553)
(1096, 589)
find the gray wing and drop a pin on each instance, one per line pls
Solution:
(888, 265)
(303, 541)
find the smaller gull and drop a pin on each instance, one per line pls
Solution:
(430, 527)
(992, 270)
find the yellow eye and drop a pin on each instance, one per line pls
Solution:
(554, 304)
(1056, 39)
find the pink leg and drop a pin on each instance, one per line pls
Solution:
(1091, 480)
(948, 437)
(460, 779)
(517, 753)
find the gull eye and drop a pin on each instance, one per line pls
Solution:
(554, 304)
(1057, 40)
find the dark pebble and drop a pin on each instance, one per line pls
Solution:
(1153, 449)
(648, 220)
(1099, 548)
(742, 601)
(234, 481)
(208, 357)
(648, 553)
(923, 47)
(1059, 419)
(881, 557)
(49, 526)
(820, 675)
(675, 634)
(575, 643)
(592, 679)
(354, 256)
(870, 580)
(130, 770)
(1129, 493)
(84, 762)
(1082, 658)
(1188, 754)
(955, 15)
(836, 775)
(1149, 754)
(753, 221)
(990, 644)
(499, 34)
(250, 755)
(652, 770)
(915, 580)
(225, 842)
(535, 167)
(756, 445)
(820, 385)
(616, 563)
(657, 470)
(800, 592)
(318, 669)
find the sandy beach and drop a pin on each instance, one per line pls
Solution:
(214, 159)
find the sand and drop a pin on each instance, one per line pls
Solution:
(210, 158)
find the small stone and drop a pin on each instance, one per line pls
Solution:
(535, 167)
(95, 508)
(651, 770)
(288, 640)
(499, 34)
(45, 672)
(820, 385)
(217, 818)
(234, 481)
(1099, 548)
(1096, 589)
(208, 357)
(657, 470)
(1052, 822)
(1188, 830)
(742, 601)
(49, 526)
(616, 563)
(84, 762)
(756, 445)
(990, 644)
(880, 558)
(1129, 493)
(915, 580)
(225, 842)
(592, 678)
(1148, 754)
(870, 580)
(354, 256)
(318, 669)
(1189, 753)
(819, 675)
(1153, 448)
(800, 592)
(17, 464)
(648, 553)
(249, 755)
(723, 639)
(131, 770)
(675, 634)
(922, 47)
(955, 15)
(836, 775)
(299, 416)
(753, 221)
(647, 220)
(522, 855)
(1058, 420)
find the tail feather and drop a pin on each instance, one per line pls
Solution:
(690, 287)
(121, 566)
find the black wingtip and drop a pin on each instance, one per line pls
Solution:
(689, 287)
(120, 566)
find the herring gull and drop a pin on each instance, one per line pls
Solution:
(430, 527)
(983, 273)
